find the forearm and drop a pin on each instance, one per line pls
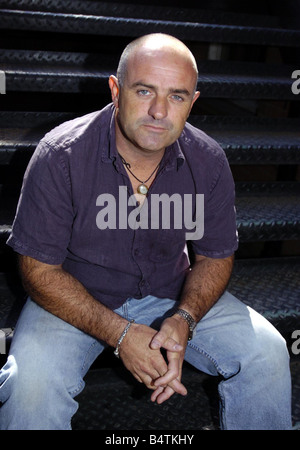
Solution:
(205, 284)
(62, 295)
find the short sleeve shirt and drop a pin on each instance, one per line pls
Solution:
(77, 209)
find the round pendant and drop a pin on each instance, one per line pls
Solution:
(142, 189)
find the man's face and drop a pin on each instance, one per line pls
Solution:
(155, 100)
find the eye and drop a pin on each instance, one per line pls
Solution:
(177, 98)
(143, 92)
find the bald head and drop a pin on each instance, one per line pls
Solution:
(155, 43)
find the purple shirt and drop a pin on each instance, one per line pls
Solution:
(71, 210)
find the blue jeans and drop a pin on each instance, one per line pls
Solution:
(49, 358)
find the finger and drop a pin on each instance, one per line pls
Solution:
(173, 369)
(148, 377)
(176, 385)
(161, 340)
(171, 374)
(148, 382)
(156, 393)
(164, 395)
(168, 391)
(137, 378)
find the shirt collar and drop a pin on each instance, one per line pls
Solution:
(174, 157)
(109, 148)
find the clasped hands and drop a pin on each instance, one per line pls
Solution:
(142, 356)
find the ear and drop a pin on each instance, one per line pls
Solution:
(196, 95)
(114, 89)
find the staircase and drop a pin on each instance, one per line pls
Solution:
(57, 56)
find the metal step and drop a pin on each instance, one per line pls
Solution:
(268, 211)
(254, 140)
(132, 27)
(246, 140)
(265, 211)
(271, 287)
(113, 400)
(146, 11)
(5, 230)
(73, 72)
(12, 298)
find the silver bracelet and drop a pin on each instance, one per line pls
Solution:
(117, 350)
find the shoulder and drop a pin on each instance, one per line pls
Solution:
(198, 145)
(205, 158)
(79, 129)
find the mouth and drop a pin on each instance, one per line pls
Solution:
(155, 128)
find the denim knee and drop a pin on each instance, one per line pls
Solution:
(34, 399)
(270, 346)
(7, 376)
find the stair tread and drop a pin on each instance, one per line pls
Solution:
(248, 140)
(259, 218)
(165, 12)
(49, 60)
(128, 26)
(270, 286)
(261, 207)
(268, 211)
(29, 70)
(114, 386)
(10, 137)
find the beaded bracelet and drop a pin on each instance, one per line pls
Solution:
(117, 350)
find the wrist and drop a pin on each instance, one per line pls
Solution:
(189, 320)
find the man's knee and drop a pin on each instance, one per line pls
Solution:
(26, 381)
(268, 355)
(34, 397)
(8, 375)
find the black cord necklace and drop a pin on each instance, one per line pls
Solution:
(142, 188)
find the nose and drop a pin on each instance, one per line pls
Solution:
(159, 108)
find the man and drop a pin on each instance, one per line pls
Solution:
(95, 278)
